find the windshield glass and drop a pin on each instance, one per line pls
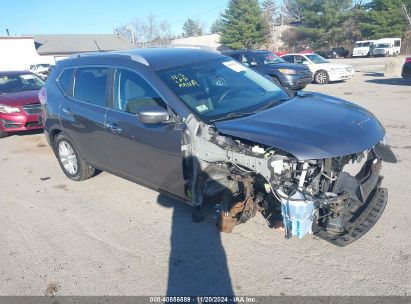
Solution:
(19, 82)
(265, 58)
(44, 65)
(315, 58)
(362, 44)
(383, 45)
(216, 88)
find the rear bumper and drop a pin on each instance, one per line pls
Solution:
(17, 123)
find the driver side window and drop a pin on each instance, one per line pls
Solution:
(132, 93)
(300, 59)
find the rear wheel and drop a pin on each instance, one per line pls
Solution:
(71, 162)
(321, 77)
(3, 134)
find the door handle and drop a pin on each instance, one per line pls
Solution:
(67, 111)
(113, 127)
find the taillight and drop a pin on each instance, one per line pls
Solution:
(43, 95)
(408, 59)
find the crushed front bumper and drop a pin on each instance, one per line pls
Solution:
(361, 221)
(362, 201)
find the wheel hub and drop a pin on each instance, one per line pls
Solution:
(68, 157)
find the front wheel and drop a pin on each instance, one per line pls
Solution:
(72, 164)
(321, 77)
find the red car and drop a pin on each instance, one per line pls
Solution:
(20, 107)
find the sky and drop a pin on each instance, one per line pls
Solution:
(28, 17)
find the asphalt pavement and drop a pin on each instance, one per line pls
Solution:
(108, 236)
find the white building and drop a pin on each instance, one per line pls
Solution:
(18, 53)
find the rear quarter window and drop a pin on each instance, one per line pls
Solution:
(65, 83)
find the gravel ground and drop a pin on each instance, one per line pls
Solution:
(108, 236)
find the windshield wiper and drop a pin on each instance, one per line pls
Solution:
(272, 103)
(232, 115)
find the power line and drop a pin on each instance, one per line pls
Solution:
(200, 14)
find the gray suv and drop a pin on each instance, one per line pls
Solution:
(201, 127)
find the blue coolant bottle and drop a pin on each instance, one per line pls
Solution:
(297, 212)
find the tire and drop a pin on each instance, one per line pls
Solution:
(70, 160)
(3, 134)
(321, 77)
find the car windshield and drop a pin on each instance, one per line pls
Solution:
(44, 65)
(362, 44)
(267, 58)
(19, 82)
(315, 58)
(221, 88)
(383, 45)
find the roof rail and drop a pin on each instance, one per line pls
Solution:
(131, 56)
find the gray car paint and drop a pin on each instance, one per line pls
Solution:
(313, 126)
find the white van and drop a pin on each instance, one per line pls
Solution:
(363, 48)
(387, 47)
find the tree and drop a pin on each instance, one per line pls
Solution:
(321, 20)
(270, 15)
(146, 32)
(216, 26)
(192, 28)
(243, 25)
(384, 18)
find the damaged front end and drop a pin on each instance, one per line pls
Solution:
(338, 198)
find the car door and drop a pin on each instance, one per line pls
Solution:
(148, 153)
(83, 114)
(288, 58)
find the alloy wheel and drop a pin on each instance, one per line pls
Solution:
(321, 77)
(68, 157)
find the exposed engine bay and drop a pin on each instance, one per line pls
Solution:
(338, 199)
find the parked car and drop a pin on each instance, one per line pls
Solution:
(327, 54)
(40, 70)
(19, 105)
(201, 127)
(323, 70)
(406, 69)
(287, 75)
(341, 52)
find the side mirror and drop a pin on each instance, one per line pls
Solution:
(153, 115)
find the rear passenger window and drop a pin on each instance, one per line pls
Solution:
(132, 93)
(90, 85)
(64, 81)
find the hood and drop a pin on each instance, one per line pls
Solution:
(19, 98)
(311, 126)
(286, 65)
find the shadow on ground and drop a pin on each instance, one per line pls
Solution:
(26, 133)
(391, 81)
(374, 74)
(198, 263)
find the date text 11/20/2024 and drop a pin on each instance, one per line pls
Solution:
(201, 299)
